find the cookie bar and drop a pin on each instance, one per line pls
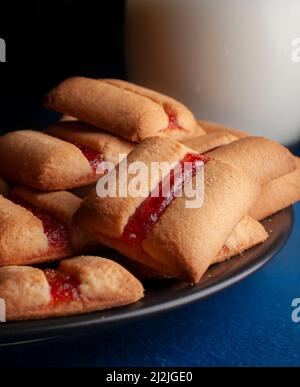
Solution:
(123, 108)
(36, 227)
(278, 194)
(262, 159)
(79, 285)
(89, 137)
(163, 234)
(45, 162)
(246, 234)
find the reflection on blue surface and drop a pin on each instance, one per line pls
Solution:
(248, 324)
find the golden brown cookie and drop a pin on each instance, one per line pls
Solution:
(246, 234)
(210, 141)
(79, 285)
(79, 133)
(45, 162)
(278, 194)
(122, 108)
(262, 159)
(173, 240)
(37, 227)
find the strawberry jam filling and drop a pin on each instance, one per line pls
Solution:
(93, 157)
(57, 231)
(173, 122)
(64, 288)
(148, 213)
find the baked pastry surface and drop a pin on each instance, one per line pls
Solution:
(22, 234)
(123, 108)
(183, 242)
(280, 188)
(262, 159)
(79, 285)
(246, 234)
(43, 162)
(37, 227)
(210, 141)
(210, 127)
(77, 132)
(278, 194)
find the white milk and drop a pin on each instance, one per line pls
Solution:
(236, 62)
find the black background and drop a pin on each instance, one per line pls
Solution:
(49, 40)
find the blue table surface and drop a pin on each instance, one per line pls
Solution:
(248, 324)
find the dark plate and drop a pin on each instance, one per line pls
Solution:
(160, 295)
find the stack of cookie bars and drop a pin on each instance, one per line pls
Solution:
(50, 209)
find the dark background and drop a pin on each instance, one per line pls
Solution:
(49, 40)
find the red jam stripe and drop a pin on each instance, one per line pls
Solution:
(151, 209)
(57, 232)
(173, 122)
(93, 157)
(64, 288)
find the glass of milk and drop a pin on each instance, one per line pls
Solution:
(235, 62)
